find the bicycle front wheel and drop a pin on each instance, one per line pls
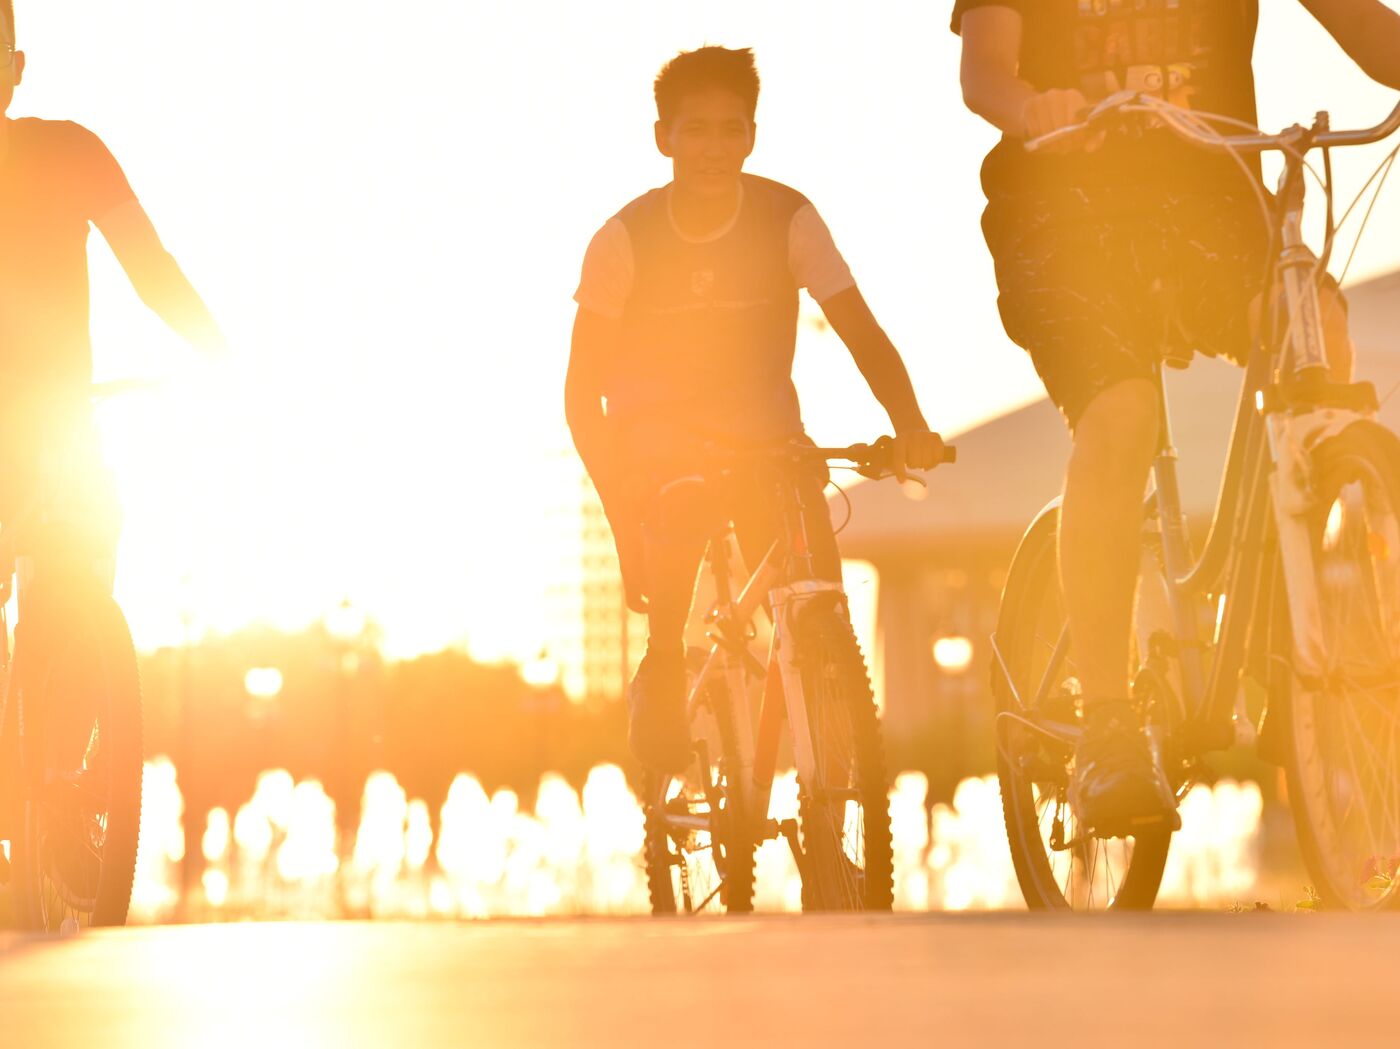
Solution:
(844, 818)
(80, 696)
(699, 849)
(1343, 767)
(1058, 867)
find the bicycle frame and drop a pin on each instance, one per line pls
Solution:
(783, 583)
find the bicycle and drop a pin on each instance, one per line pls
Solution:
(1295, 591)
(703, 826)
(70, 724)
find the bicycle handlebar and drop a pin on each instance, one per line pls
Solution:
(1131, 102)
(877, 456)
(875, 460)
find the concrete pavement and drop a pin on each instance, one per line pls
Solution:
(947, 980)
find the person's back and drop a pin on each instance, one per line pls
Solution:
(57, 180)
(686, 326)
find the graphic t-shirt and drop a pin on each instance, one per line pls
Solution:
(1194, 53)
(55, 178)
(709, 327)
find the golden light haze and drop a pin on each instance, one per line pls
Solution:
(386, 206)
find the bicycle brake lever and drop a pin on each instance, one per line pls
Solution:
(880, 473)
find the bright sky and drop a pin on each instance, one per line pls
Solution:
(386, 206)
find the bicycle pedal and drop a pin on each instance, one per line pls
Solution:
(1135, 825)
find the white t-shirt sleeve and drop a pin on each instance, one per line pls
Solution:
(606, 282)
(815, 262)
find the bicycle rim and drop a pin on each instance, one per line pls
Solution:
(1345, 773)
(1057, 865)
(76, 857)
(845, 820)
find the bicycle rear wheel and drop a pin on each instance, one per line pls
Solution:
(1057, 867)
(80, 696)
(699, 849)
(845, 823)
(1343, 765)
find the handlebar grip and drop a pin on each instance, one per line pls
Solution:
(950, 453)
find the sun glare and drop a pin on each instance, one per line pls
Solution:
(392, 255)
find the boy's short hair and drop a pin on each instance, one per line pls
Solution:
(704, 69)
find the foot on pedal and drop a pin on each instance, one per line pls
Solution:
(1118, 788)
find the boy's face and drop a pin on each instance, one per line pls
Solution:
(708, 138)
(11, 64)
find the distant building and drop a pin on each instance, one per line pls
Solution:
(942, 552)
(593, 640)
(614, 637)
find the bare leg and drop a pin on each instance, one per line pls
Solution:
(1100, 530)
(672, 565)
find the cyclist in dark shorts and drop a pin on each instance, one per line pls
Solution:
(56, 178)
(686, 325)
(1108, 249)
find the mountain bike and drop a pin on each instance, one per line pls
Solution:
(70, 727)
(703, 826)
(1294, 597)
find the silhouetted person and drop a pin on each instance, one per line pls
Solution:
(1110, 247)
(686, 326)
(55, 179)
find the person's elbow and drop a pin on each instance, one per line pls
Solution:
(972, 82)
(1387, 71)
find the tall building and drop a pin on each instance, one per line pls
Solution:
(614, 637)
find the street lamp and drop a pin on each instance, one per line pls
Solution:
(264, 683)
(953, 655)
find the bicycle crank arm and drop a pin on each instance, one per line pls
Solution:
(789, 831)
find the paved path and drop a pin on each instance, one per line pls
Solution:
(1179, 980)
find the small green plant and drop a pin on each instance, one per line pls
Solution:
(1380, 873)
(1249, 908)
(1310, 903)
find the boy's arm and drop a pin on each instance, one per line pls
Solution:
(157, 277)
(916, 448)
(1367, 30)
(593, 341)
(993, 89)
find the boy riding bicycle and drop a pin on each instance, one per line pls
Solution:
(686, 327)
(1110, 249)
(56, 177)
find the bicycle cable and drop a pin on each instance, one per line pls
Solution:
(850, 510)
(1383, 170)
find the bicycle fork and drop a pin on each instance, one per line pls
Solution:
(784, 699)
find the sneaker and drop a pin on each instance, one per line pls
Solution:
(1118, 787)
(658, 733)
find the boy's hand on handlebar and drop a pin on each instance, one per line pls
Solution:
(915, 450)
(1059, 108)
